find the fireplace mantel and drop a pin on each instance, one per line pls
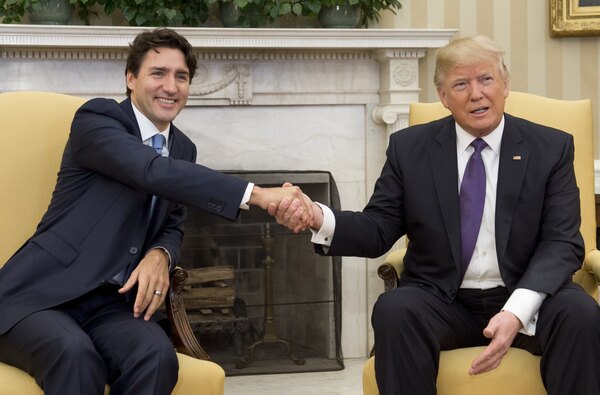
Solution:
(262, 99)
(37, 37)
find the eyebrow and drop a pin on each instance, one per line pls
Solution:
(466, 78)
(164, 69)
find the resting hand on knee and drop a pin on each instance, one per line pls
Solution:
(152, 277)
(502, 329)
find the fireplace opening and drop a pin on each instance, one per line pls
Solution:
(259, 299)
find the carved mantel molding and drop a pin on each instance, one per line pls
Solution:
(227, 73)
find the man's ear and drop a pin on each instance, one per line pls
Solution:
(506, 88)
(442, 95)
(130, 79)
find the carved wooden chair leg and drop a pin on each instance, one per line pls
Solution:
(183, 336)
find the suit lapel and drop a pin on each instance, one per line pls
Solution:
(127, 108)
(445, 176)
(514, 156)
(177, 148)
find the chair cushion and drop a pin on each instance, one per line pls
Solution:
(196, 377)
(199, 377)
(17, 382)
(519, 373)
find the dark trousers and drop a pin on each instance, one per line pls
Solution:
(79, 347)
(412, 326)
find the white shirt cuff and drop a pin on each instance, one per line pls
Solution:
(324, 235)
(525, 304)
(246, 197)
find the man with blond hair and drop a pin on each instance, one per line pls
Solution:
(494, 240)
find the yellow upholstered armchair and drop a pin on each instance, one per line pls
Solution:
(519, 372)
(35, 126)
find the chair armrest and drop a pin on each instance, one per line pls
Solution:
(592, 263)
(183, 337)
(391, 269)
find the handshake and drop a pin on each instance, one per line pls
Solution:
(289, 205)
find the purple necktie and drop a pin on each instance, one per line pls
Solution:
(472, 199)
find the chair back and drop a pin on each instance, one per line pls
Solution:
(36, 127)
(572, 116)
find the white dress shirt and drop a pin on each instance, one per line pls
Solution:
(483, 271)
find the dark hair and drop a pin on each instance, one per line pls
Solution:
(152, 40)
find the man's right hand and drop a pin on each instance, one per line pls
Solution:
(502, 329)
(289, 212)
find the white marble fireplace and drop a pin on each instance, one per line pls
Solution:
(262, 99)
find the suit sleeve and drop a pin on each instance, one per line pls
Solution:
(372, 232)
(102, 140)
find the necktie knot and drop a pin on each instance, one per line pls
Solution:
(479, 144)
(158, 142)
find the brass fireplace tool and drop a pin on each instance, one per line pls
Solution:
(269, 333)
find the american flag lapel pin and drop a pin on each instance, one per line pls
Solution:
(516, 157)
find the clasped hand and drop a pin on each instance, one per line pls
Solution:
(297, 211)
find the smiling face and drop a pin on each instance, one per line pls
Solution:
(161, 87)
(475, 95)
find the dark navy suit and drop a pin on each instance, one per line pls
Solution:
(97, 225)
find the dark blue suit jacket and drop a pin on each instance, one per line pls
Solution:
(538, 242)
(97, 222)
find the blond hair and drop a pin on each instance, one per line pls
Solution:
(468, 51)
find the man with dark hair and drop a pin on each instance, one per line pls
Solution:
(152, 40)
(493, 241)
(78, 299)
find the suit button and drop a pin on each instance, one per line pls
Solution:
(133, 250)
(452, 292)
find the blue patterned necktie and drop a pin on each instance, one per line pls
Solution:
(472, 200)
(158, 142)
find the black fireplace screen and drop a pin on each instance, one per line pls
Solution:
(260, 300)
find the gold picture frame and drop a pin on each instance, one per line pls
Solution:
(574, 18)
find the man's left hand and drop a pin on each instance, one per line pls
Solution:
(502, 329)
(152, 277)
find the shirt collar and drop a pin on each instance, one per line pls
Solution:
(493, 140)
(147, 128)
